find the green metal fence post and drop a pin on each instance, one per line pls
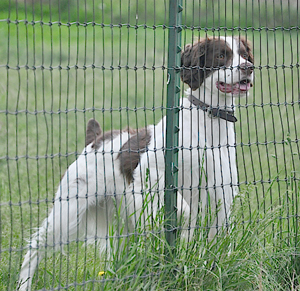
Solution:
(172, 120)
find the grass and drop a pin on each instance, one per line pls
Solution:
(61, 76)
(245, 259)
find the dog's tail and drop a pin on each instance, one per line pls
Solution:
(93, 130)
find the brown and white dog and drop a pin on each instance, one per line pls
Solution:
(119, 172)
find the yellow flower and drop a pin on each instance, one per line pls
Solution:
(101, 273)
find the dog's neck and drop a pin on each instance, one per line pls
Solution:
(214, 108)
(214, 99)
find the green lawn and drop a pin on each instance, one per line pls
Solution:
(61, 76)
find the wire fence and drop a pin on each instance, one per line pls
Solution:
(93, 196)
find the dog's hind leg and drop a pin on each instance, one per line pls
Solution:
(60, 228)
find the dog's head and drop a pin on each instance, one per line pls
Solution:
(223, 65)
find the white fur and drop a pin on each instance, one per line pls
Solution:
(93, 189)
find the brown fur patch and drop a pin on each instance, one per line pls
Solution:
(200, 60)
(108, 135)
(131, 151)
(245, 49)
(95, 134)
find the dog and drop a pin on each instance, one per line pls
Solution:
(120, 173)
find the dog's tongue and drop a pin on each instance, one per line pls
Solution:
(241, 87)
(223, 87)
(234, 89)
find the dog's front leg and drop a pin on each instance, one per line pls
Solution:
(145, 202)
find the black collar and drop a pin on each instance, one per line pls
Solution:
(213, 111)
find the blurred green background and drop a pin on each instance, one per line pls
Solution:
(199, 13)
(63, 62)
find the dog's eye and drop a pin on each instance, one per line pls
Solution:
(245, 56)
(221, 56)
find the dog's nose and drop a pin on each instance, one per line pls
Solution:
(246, 68)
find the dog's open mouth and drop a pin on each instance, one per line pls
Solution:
(237, 88)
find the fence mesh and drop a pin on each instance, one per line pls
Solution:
(64, 62)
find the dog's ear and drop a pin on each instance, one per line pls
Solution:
(193, 61)
(248, 47)
(93, 130)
